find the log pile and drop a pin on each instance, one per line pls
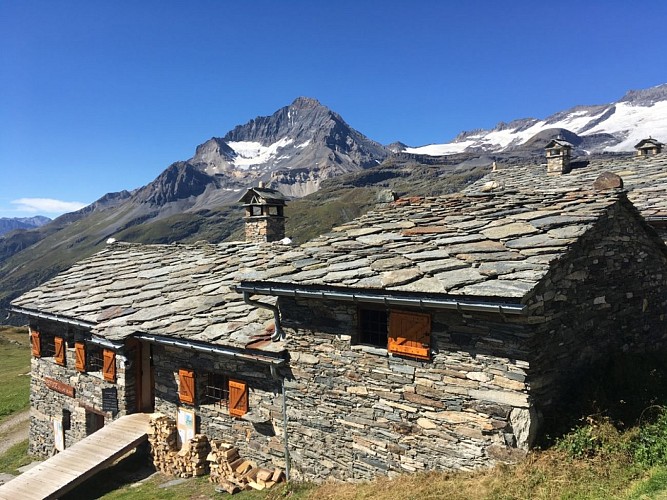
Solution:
(235, 474)
(189, 461)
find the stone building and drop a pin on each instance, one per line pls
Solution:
(431, 333)
(647, 147)
(644, 178)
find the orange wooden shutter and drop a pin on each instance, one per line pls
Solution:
(109, 366)
(35, 344)
(186, 386)
(410, 334)
(80, 352)
(238, 398)
(59, 355)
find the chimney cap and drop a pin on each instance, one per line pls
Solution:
(558, 142)
(266, 195)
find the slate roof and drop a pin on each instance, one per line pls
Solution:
(457, 245)
(181, 291)
(645, 179)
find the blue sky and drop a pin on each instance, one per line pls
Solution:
(102, 96)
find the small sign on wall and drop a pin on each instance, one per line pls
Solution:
(185, 424)
(58, 434)
(110, 400)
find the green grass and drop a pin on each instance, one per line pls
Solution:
(17, 456)
(655, 486)
(14, 371)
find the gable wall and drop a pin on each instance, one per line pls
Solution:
(608, 295)
(356, 411)
(46, 403)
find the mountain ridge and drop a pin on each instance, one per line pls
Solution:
(614, 127)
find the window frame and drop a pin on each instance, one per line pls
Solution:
(393, 342)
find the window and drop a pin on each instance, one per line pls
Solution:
(373, 327)
(400, 332)
(217, 389)
(94, 361)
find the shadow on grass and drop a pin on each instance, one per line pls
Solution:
(131, 469)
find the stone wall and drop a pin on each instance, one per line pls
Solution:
(607, 296)
(356, 411)
(264, 228)
(47, 403)
(258, 434)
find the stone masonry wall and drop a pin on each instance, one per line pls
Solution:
(46, 403)
(357, 411)
(608, 296)
(258, 434)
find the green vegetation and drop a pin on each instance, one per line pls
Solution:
(14, 371)
(15, 457)
(594, 461)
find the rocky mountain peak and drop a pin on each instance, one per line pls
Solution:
(305, 103)
(304, 136)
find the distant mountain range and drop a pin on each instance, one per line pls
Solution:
(307, 151)
(614, 127)
(11, 223)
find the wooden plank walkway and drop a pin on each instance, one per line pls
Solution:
(62, 472)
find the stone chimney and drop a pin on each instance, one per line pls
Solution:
(559, 153)
(264, 214)
(648, 147)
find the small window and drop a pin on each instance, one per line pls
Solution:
(217, 389)
(94, 360)
(373, 327)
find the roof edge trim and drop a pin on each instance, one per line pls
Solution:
(52, 317)
(207, 348)
(262, 288)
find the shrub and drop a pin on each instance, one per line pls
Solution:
(649, 445)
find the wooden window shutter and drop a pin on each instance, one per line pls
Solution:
(238, 398)
(59, 346)
(186, 386)
(109, 366)
(80, 356)
(35, 343)
(410, 334)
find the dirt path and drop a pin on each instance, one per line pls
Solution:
(14, 430)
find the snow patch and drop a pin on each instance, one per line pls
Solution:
(251, 153)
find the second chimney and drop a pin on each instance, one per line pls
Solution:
(559, 152)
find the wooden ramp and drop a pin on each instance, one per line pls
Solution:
(62, 472)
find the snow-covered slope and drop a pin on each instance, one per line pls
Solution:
(613, 127)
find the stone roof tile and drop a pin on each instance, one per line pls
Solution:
(183, 291)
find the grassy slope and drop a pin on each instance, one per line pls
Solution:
(14, 368)
(14, 389)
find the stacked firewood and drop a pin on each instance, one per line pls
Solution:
(235, 474)
(189, 461)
